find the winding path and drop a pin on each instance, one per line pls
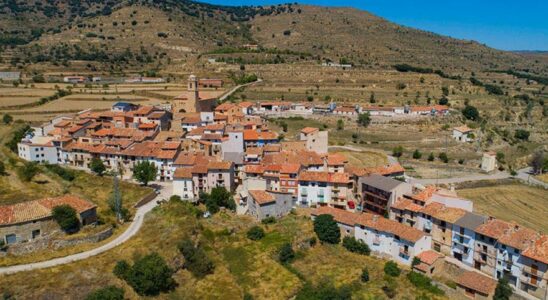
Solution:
(122, 238)
(234, 89)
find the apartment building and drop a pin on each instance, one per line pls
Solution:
(324, 188)
(378, 193)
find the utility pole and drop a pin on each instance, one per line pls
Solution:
(117, 197)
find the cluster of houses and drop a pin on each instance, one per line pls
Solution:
(199, 145)
(432, 223)
(267, 107)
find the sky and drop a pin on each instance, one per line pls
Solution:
(502, 24)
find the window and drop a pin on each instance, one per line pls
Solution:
(11, 239)
(35, 233)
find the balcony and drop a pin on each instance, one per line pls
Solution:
(404, 252)
(530, 280)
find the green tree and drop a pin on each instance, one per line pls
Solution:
(522, 134)
(327, 229)
(144, 172)
(365, 275)
(286, 253)
(470, 113)
(340, 124)
(443, 101)
(149, 275)
(416, 261)
(97, 166)
(255, 233)
(28, 171)
(107, 293)
(372, 98)
(503, 290)
(219, 197)
(7, 119)
(443, 157)
(364, 119)
(538, 162)
(310, 98)
(65, 215)
(397, 151)
(196, 259)
(445, 90)
(417, 154)
(324, 291)
(391, 269)
(115, 201)
(431, 157)
(357, 246)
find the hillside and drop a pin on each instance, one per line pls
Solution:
(141, 35)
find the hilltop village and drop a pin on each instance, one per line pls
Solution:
(197, 145)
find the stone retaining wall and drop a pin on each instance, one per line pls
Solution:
(51, 243)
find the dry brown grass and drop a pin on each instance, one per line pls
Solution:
(513, 202)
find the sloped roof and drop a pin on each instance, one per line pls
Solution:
(381, 182)
(262, 197)
(475, 281)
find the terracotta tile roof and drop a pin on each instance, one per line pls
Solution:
(211, 136)
(440, 107)
(254, 151)
(308, 130)
(215, 127)
(293, 146)
(143, 110)
(290, 168)
(381, 224)
(475, 281)
(519, 237)
(196, 131)
(339, 215)
(462, 129)
(193, 119)
(442, 212)
(494, 228)
(245, 104)
(406, 204)
(199, 169)
(254, 169)
(421, 108)
(147, 126)
(62, 124)
(305, 158)
(424, 195)
(39, 209)
(538, 250)
(386, 170)
(219, 165)
(324, 177)
(336, 159)
(262, 197)
(272, 148)
(345, 109)
(254, 135)
(429, 256)
(183, 173)
(224, 107)
(156, 115)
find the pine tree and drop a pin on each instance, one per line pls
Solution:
(117, 199)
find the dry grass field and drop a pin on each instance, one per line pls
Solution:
(364, 158)
(241, 265)
(512, 202)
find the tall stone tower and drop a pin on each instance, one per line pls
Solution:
(193, 94)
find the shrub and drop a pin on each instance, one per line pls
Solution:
(97, 166)
(365, 275)
(28, 171)
(417, 154)
(107, 293)
(397, 151)
(391, 269)
(269, 220)
(286, 253)
(2, 168)
(443, 101)
(470, 113)
(255, 233)
(340, 124)
(357, 246)
(364, 119)
(503, 290)
(64, 173)
(401, 86)
(149, 275)
(390, 288)
(7, 119)
(416, 261)
(196, 259)
(327, 229)
(443, 157)
(424, 283)
(522, 134)
(431, 157)
(324, 291)
(219, 197)
(66, 217)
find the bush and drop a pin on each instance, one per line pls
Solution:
(417, 154)
(324, 291)
(28, 171)
(357, 246)
(431, 157)
(503, 291)
(64, 173)
(470, 113)
(196, 259)
(391, 269)
(2, 168)
(443, 101)
(7, 119)
(397, 151)
(327, 229)
(97, 166)
(107, 293)
(390, 288)
(416, 261)
(286, 253)
(365, 275)
(340, 124)
(219, 197)
(424, 283)
(149, 276)
(522, 134)
(255, 233)
(269, 220)
(443, 157)
(66, 217)
(17, 135)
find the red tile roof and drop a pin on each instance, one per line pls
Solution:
(183, 173)
(262, 197)
(39, 209)
(324, 177)
(308, 130)
(429, 256)
(538, 250)
(475, 281)
(494, 228)
(254, 135)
